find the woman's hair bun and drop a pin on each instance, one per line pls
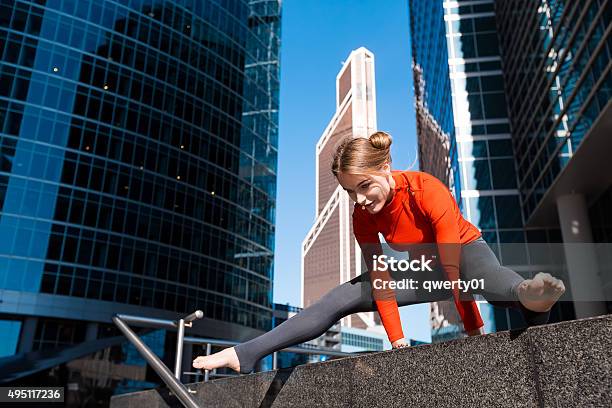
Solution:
(360, 155)
(381, 140)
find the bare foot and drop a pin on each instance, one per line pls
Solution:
(225, 358)
(540, 293)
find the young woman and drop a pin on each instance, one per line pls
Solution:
(408, 207)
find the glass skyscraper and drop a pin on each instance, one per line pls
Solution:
(433, 99)
(444, 127)
(558, 81)
(489, 193)
(485, 153)
(138, 153)
(489, 190)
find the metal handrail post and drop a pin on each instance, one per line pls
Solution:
(198, 314)
(206, 372)
(275, 360)
(180, 335)
(177, 388)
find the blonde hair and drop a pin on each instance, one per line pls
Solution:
(362, 155)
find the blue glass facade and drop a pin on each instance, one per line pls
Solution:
(155, 341)
(558, 81)
(429, 53)
(486, 158)
(559, 86)
(10, 337)
(486, 155)
(470, 58)
(138, 153)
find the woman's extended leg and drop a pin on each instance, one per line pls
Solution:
(504, 287)
(351, 297)
(308, 324)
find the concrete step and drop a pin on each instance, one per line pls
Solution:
(566, 364)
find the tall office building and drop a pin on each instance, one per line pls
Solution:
(433, 142)
(330, 254)
(469, 55)
(138, 167)
(435, 118)
(356, 340)
(559, 85)
(432, 91)
(489, 194)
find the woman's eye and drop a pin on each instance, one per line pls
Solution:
(364, 186)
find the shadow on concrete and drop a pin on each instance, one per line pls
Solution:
(277, 384)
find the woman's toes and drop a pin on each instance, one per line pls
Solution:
(224, 358)
(206, 362)
(542, 282)
(198, 362)
(541, 293)
(543, 277)
(553, 282)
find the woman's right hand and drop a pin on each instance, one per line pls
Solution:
(399, 343)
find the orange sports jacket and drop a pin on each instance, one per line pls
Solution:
(422, 211)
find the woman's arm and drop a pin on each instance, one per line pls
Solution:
(441, 208)
(366, 235)
(385, 300)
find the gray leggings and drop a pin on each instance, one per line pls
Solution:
(355, 296)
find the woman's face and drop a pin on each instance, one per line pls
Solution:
(372, 190)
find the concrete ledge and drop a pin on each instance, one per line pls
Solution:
(567, 364)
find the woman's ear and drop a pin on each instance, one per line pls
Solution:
(386, 168)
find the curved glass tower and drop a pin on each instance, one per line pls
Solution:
(138, 165)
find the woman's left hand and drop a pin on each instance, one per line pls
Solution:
(476, 332)
(399, 343)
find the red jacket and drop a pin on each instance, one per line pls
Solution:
(434, 217)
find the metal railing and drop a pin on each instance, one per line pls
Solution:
(174, 381)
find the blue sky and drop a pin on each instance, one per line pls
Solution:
(317, 36)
